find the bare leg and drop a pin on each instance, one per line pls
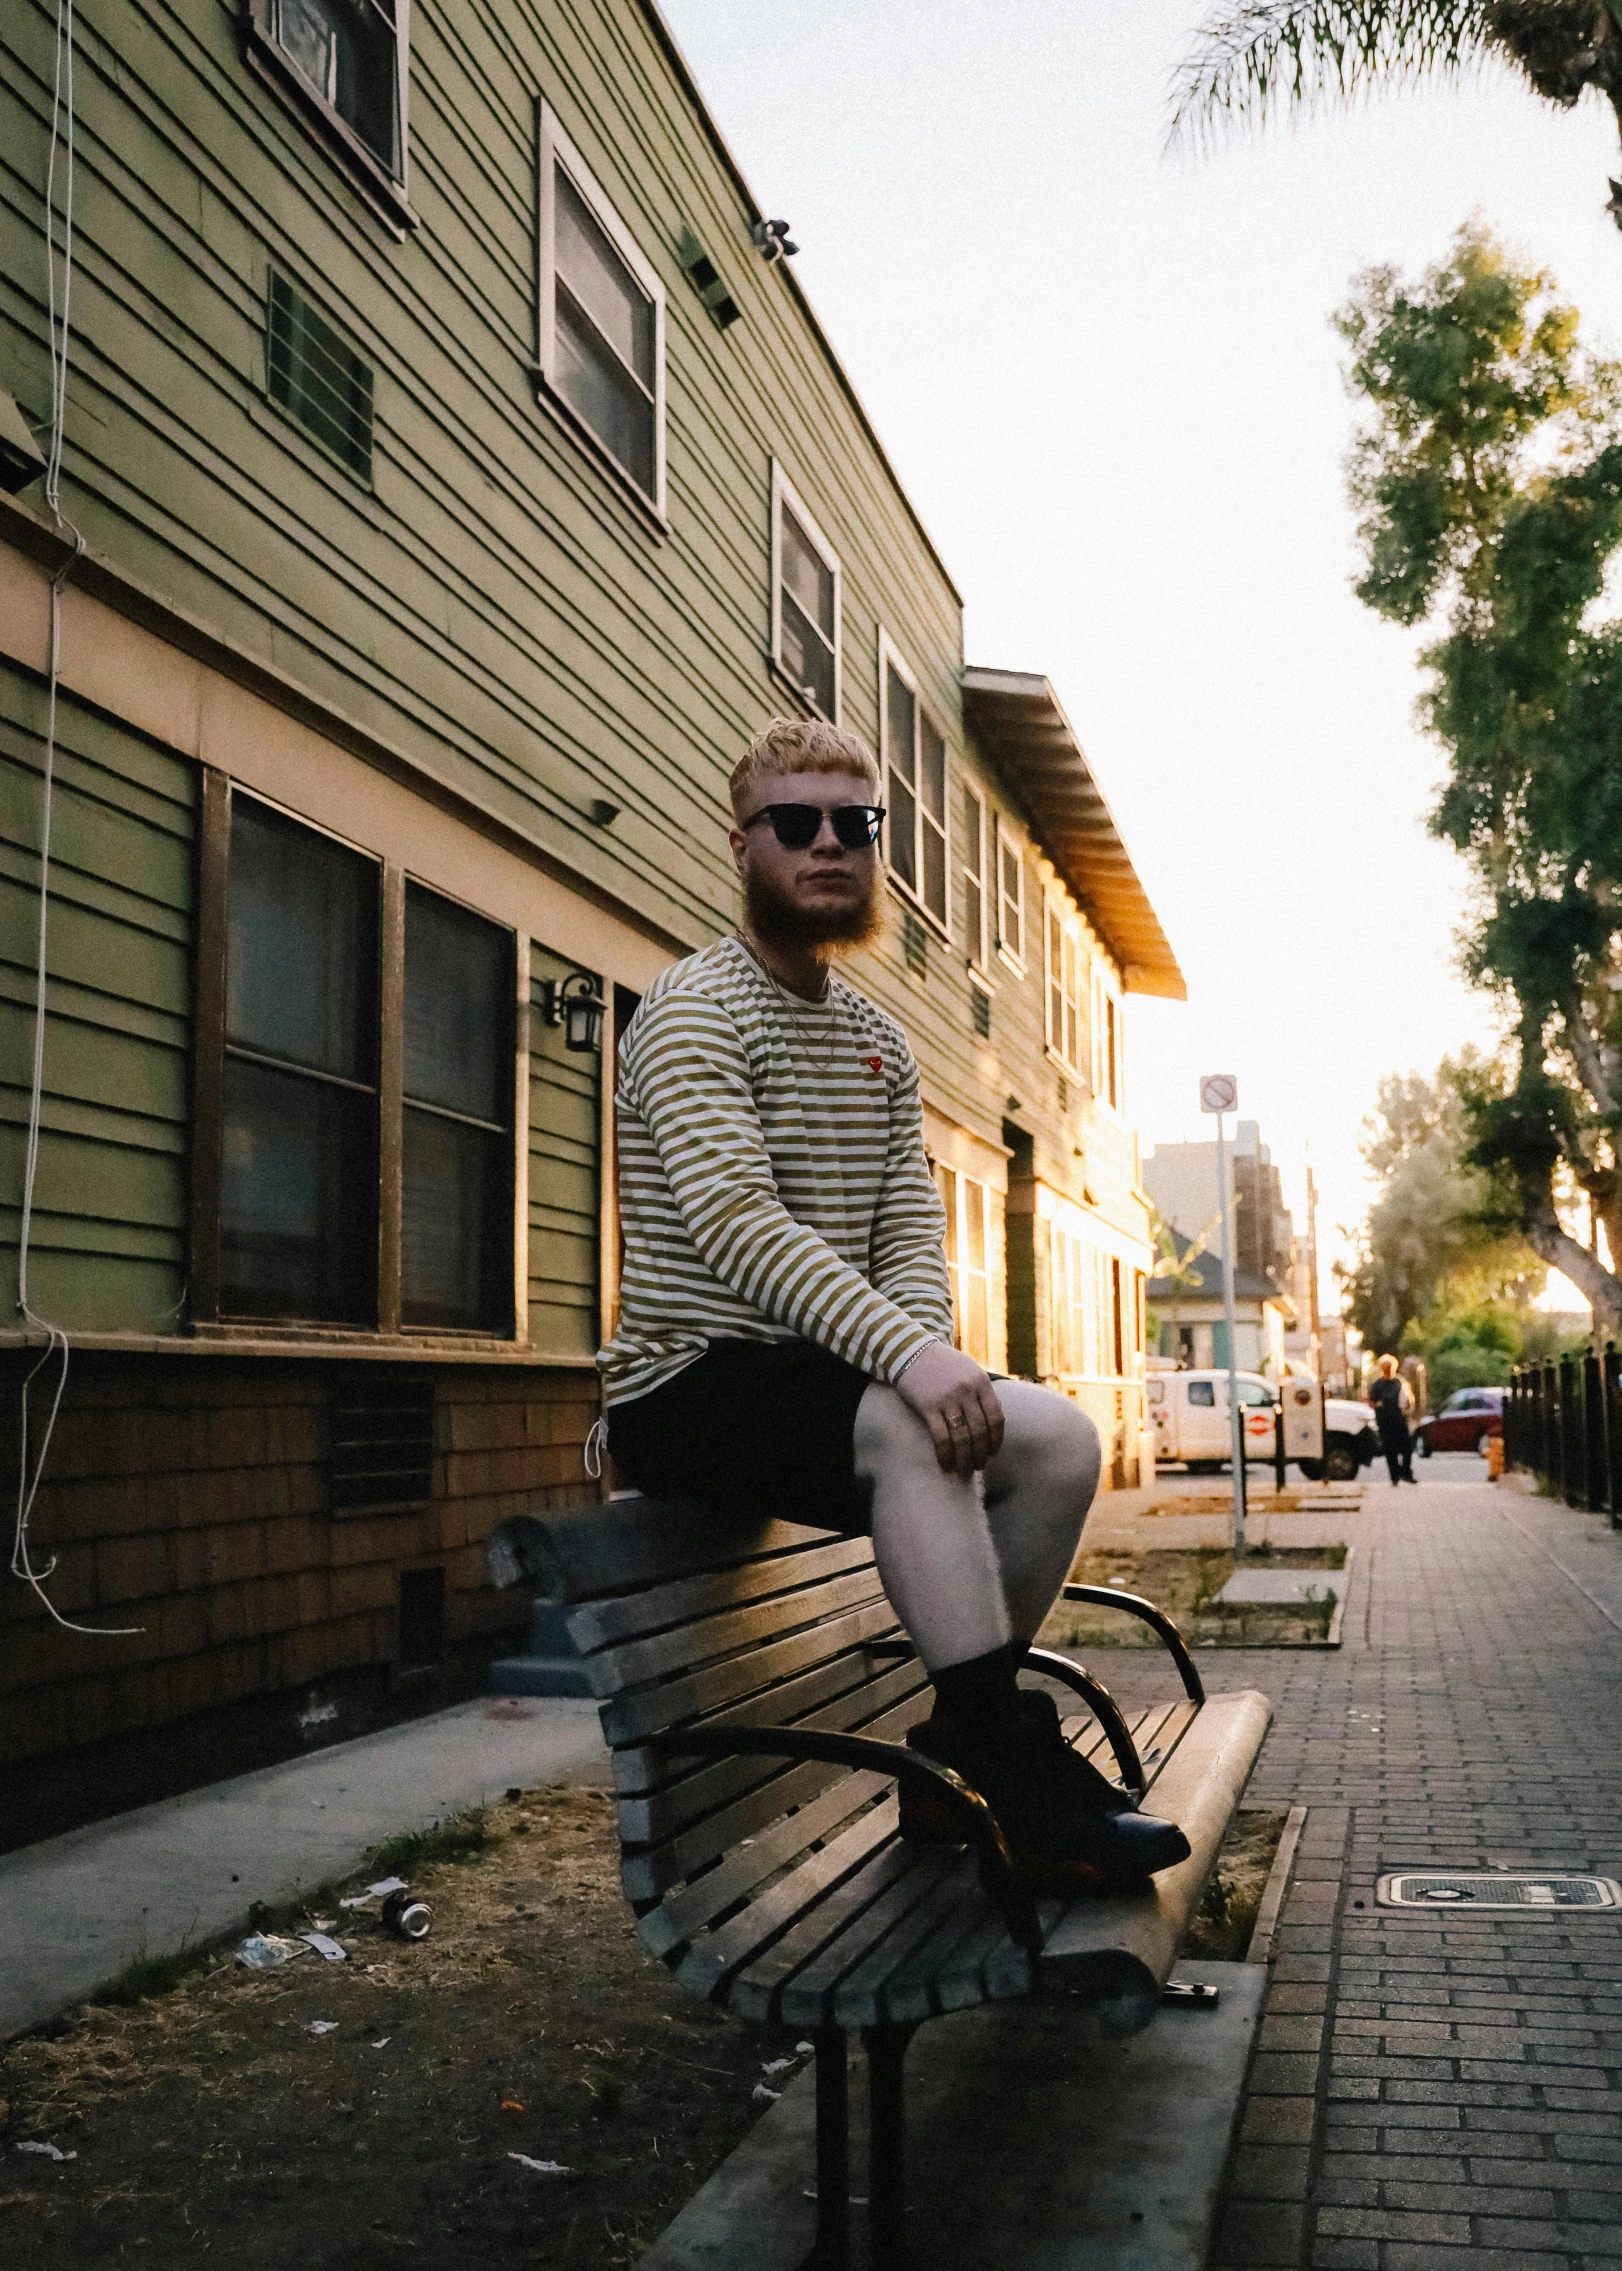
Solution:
(972, 1565)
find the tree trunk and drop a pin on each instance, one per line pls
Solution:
(1587, 1273)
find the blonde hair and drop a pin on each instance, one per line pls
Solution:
(801, 745)
(1388, 1367)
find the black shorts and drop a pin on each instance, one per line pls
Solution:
(751, 1427)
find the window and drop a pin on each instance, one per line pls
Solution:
(1108, 1084)
(1255, 1395)
(1074, 1289)
(349, 58)
(1010, 899)
(456, 1171)
(316, 377)
(1067, 962)
(968, 1258)
(365, 1141)
(805, 603)
(915, 789)
(974, 877)
(300, 1095)
(602, 319)
(1202, 1394)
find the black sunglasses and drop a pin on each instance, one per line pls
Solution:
(797, 826)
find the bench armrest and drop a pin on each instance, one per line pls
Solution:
(1103, 1706)
(980, 1825)
(1133, 1605)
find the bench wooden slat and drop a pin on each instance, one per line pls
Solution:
(1178, 1719)
(857, 1993)
(599, 1624)
(646, 1875)
(643, 1771)
(684, 1915)
(710, 1962)
(754, 1992)
(627, 1718)
(666, 1812)
(947, 1973)
(627, 1544)
(634, 1662)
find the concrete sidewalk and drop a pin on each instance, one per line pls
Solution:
(80, 1907)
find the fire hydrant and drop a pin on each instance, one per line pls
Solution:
(1495, 1457)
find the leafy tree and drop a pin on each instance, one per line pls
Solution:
(1251, 58)
(1488, 475)
(1435, 1250)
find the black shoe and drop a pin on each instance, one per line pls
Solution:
(1067, 1826)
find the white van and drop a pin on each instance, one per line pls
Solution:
(1190, 1415)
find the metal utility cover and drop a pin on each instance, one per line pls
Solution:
(1540, 1892)
(1248, 1587)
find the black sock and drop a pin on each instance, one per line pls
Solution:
(982, 1694)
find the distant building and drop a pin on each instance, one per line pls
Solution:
(1189, 1329)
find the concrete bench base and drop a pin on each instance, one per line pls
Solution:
(1033, 2145)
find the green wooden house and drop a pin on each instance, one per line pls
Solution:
(462, 479)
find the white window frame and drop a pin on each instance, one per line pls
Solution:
(1071, 982)
(557, 149)
(784, 494)
(978, 949)
(890, 658)
(959, 1192)
(1105, 991)
(1013, 957)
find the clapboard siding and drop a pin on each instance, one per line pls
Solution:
(565, 1110)
(108, 1236)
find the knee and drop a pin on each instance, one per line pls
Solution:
(888, 1433)
(1052, 1431)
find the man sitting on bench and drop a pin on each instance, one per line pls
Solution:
(785, 1337)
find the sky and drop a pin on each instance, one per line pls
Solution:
(1108, 380)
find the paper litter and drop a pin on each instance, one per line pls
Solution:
(374, 1892)
(51, 2152)
(321, 2026)
(326, 1947)
(777, 2066)
(266, 1951)
(763, 2096)
(541, 2168)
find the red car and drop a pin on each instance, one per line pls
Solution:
(1464, 1422)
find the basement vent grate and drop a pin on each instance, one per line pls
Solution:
(382, 1443)
(980, 1012)
(1501, 1889)
(914, 944)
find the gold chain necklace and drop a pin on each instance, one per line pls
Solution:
(808, 1037)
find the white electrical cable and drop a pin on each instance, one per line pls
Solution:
(56, 1338)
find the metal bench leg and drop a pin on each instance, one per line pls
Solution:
(832, 2251)
(887, 2172)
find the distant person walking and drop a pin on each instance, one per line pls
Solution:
(1393, 1401)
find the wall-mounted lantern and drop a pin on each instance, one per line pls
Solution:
(575, 1004)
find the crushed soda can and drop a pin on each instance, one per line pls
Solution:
(407, 1917)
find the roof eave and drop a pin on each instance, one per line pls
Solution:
(1020, 723)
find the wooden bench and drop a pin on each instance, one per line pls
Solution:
(756, 1689)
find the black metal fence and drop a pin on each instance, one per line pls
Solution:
(1564, 1422)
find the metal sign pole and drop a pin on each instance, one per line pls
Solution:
(1236, 1421)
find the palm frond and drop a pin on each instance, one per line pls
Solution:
(1252, 57)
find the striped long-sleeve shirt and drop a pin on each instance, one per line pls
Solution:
(773, 1184)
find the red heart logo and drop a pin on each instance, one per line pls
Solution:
(874, 1064)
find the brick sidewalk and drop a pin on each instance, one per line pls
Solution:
(1430, 2095)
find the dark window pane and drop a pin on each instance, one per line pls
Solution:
(806, 660)
(932, 889)
(604, 394)
(600, 283)
(932, 750)
(298, 1197)
(345, 49)
(456, 1217)
(301, 958)
(902, 827)
(901, 718)
(459, 1009)
(318, 378)
(807, 576)
(974, 921)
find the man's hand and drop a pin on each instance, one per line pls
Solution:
(957, 1403)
